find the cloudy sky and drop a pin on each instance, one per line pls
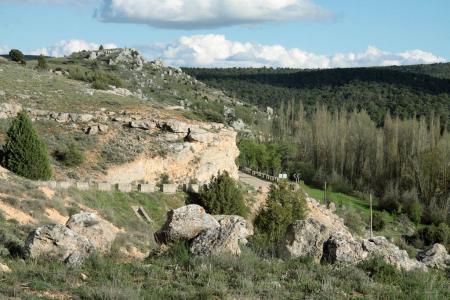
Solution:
(228, 33)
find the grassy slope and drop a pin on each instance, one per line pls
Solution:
(178, 276)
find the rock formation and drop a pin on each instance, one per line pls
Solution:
(83, 235)
(304, 238)
(206, 234)
(436, 257)
(59, 243)
(324, 237)
(232, 232)
(185, 223)
(100, 233)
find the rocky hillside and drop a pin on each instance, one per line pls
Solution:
(149, 127)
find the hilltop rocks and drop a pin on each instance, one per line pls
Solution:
(84, 234)
(59, 243)
(206, 234)
(101, 234)
(304, 238)
(185, 223)
(436, 257)
(232, 232)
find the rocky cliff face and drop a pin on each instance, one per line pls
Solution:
(212, 150)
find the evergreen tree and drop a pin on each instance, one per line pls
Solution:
(24, 152)
(222, 196)
(16, 55)
(284, 206)
(42, 63)
(101, 48)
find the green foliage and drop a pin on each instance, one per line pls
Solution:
(378, 269)
(378, 222)
(222, 196)
(16, 55)
(100, 79)
(71, 156)
(352, 219)
(284, 206)
(435, 234)
(402, 91)
(42, 63)
(261, 157)
(414, 211)
(101, 48)
(24, 152)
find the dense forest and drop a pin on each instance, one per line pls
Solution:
(406, 91)
(406, 162)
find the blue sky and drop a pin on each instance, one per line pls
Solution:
(297, 33)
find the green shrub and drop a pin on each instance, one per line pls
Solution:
(378, 222)
(16, 55)
(222, 196)
(24, 152)
(435, 234)
(414, 211)
(284, 206)
(71, 156)
(42, 63)
(378, 269)
(390, 200)
(352, 219)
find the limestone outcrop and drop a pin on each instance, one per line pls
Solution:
(73, 243)
(206, 234)
(304, 238)
(185, 223)
(231, 233)
(100, 233)
(324, 237)
(381, 247)
(436, 257)
(57, 242)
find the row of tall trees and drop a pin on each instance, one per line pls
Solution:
(405, 162)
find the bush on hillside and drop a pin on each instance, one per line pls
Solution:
(222, 196)
(378, 222)
(24, 152)
(16, 55)
(42, 63)
(435, 234)
(414, 211)
(284, 206)
(71, 156)
(391, 200)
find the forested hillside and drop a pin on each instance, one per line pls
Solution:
(402, 91)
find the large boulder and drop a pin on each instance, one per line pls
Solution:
(100, 233)
(342, 247)
(232, 232)
(185, 223)
(57, 242)
(304, 238)
(381, 247)
(436, 257)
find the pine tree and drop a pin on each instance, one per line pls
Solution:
(24, 152)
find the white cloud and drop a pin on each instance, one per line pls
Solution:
(4, 49)
(217, 51)
(191, 14)
(64, 47)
